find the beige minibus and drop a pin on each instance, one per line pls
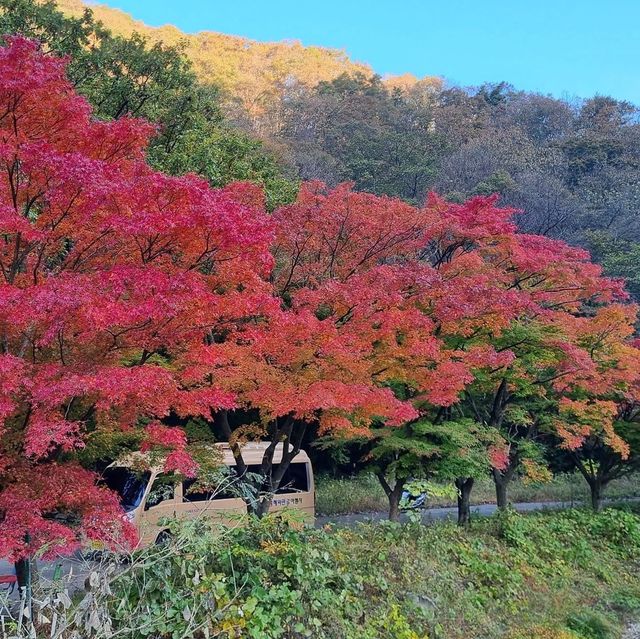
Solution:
(149, 496)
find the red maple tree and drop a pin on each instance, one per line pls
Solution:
(111, 272)
(360, 264)
(548, 297)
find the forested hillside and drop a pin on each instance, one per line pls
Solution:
(253, 73)
(572, 167)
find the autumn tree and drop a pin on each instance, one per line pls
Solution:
(597, 417)
(358, 262)
(111, 274)
(507, 304)
(321, 357)
(553, 290)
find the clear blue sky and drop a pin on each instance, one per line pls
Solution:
(563, 47)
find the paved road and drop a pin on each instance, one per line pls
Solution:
(429, 515)
(75, 566)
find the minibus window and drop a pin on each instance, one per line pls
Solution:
(189, 494)
(295, 479)
(222, 491)
(129, 485)
(163, 489)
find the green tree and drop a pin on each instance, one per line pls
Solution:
(355, 129)
(619, 257)
(439, 451)
(223, 154)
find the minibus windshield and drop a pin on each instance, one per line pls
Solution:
(129, 485)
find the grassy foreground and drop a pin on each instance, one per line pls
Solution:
(571, 575)
(363, 493)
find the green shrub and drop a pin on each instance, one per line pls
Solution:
(570, 575)
(590, 624)
(270, 579)
(265, 579)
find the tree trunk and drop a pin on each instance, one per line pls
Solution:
(23, 569)
(394, 500)
(464, 486)
(596, 494)
(263, 506)
(501, 481)
(393, 494)
(274, 473)
(597, 478)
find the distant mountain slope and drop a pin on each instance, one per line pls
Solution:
(244, 68)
